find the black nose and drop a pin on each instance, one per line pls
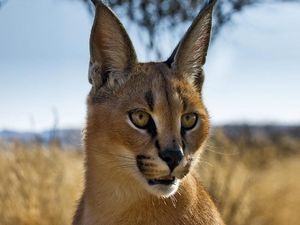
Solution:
(172, 157)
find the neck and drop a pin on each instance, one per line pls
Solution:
(108, 194)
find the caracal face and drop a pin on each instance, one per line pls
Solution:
(146, 121)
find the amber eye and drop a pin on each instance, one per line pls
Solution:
(189, 120)
(139, 118)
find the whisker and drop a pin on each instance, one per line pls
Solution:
(207, 163)
(222, 153)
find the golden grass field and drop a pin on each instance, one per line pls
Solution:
(255, 183)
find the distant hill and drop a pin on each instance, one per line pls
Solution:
(234, 132)
(64, 136)
(267, 131)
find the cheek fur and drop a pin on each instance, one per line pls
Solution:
(107, 124)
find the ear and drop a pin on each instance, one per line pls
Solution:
(189, 56)
(112, 53)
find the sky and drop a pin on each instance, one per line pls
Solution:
(252, 69)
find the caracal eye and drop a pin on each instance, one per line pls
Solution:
(139, 118)
(189, 120)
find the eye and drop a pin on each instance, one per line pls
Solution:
(189, 120)
(139, 118)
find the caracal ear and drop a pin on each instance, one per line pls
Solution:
(189, 56)
(112, 53)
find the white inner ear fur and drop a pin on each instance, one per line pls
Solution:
(94, 74)
(191, 53)
(115, 78)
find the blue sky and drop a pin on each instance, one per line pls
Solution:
(252, 72)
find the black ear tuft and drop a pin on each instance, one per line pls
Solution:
(170, 60)
(96, 2)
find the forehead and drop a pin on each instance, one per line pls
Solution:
(156, 85)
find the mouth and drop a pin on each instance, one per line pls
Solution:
(166, 180)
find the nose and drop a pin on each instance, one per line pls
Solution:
(172, 157)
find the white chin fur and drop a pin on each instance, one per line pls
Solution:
(161, 190)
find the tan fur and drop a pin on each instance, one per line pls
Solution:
(116, 189)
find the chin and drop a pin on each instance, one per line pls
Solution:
(160, 189)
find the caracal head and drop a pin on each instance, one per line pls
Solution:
(146, 121)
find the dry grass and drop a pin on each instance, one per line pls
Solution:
(38, 186)
(252, 184)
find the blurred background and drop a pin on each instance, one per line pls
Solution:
(251, 90)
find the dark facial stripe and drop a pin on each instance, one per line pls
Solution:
(183, 132)
(151, 128)
(184, 103)
(157, 145)
(149, 99)
(166, 88)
